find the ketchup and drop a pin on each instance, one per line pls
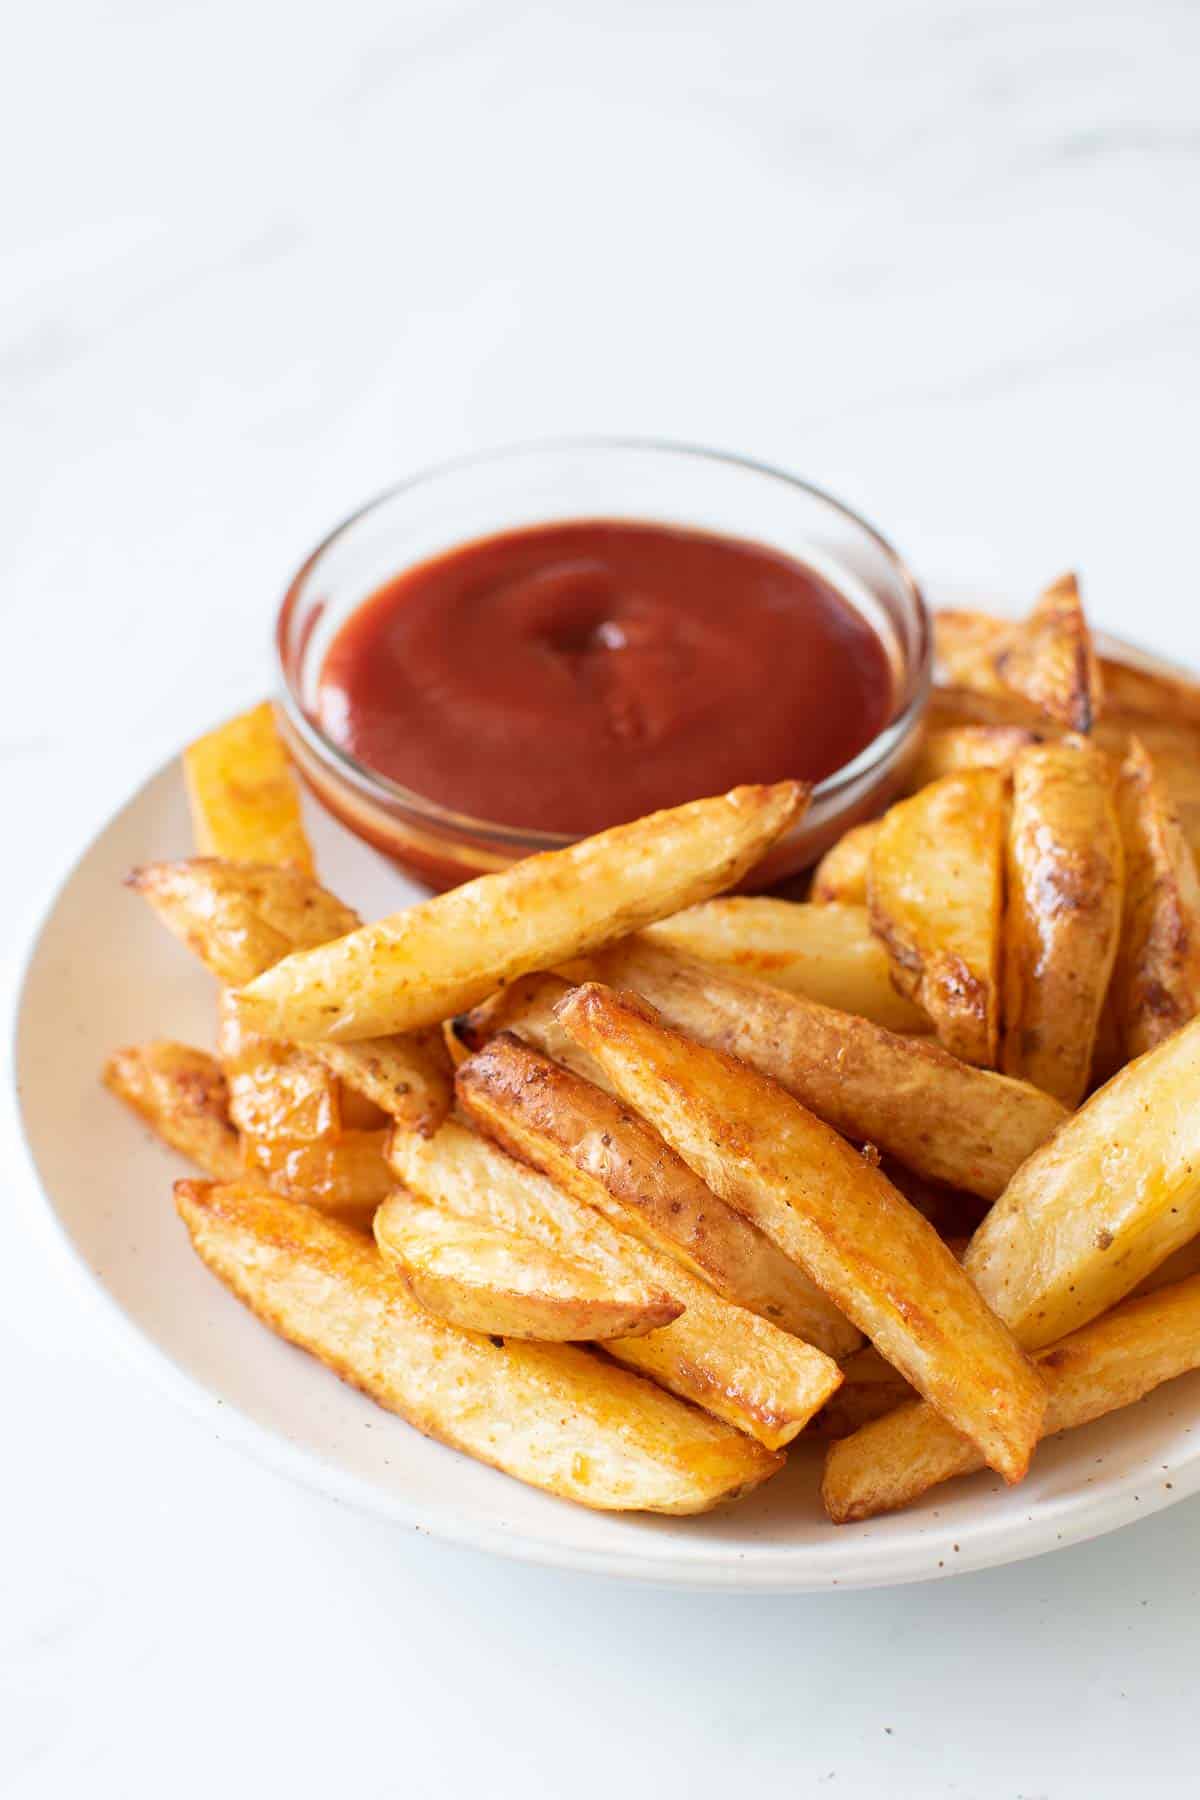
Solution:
(568, 677)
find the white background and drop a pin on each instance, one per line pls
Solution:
(257, 261)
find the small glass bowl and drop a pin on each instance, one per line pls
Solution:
(595, 479)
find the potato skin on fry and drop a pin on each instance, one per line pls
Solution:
(557, 1417)
(831, 1211)
(1063, 917)
(485, 1278)
(736, 1365)
(183, 1096)
(593, 1147)
(935, 890)
(437, 959)
(1050, 661)
(1108, 1364)
(1156, 983)
(950, 1123)
(1098, 1207)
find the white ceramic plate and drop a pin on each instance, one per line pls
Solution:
(103, 973)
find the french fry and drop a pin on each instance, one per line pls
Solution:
(557, 1417)
(1063, 918)
(1105, 1365)
(594, 1148)
(935, 891)
(182, 1095)
(527, 1009)
(240, 919)
(828, 953)
(738, 1366)
(828, 1209)
(1046, 660)
(484, 1278)
(841, 873)
(244, 796)
(948, 1122)
(1050, 660)
(1108, 1198)
(1144, 691)
(953, 747)
(437, 959)
(1156, 983)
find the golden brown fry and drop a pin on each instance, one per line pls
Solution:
(829, 1210)
(409, 1078)
(245, 799)
(486, 1278)
(953, 747)
(828, 952)
(1156, 983)
(560, 1418)
(841, 873)
(1065, 887)
(596, 1149)
(182, 1095)
(240, 918)
(950, 1123)
(437, 959)
(527, 1009)
(738, 1366)
(1091, 1213)
(346, 1176)
(1108, 1364)
(966, 646)
(1049, 659)
(935, 890)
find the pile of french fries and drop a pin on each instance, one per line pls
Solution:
(623, 1187)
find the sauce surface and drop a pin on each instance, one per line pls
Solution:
(571, 676)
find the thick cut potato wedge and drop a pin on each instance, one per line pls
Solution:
(738, 1366)
(526, 1008)
(182, 1095)
(1091, 1213)
(954, 747)
(1108, 1364)
(485, 1278)
(560, 1418)
(1156, 983)
(1063, 919)
(828, 1209)
(345, 1176)
(422, 966)
(1046, 660)
(1050, 661)
(827, 953)
(841, 873)
(244, 796)
(241, 918)
(596, 1149)
(946, 1121)
(935, 890)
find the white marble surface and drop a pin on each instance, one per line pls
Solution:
(259, 259)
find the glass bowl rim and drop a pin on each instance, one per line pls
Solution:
(918, 671)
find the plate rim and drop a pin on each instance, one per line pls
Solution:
(1087, 1515)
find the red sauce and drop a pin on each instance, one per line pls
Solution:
(567, 677)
